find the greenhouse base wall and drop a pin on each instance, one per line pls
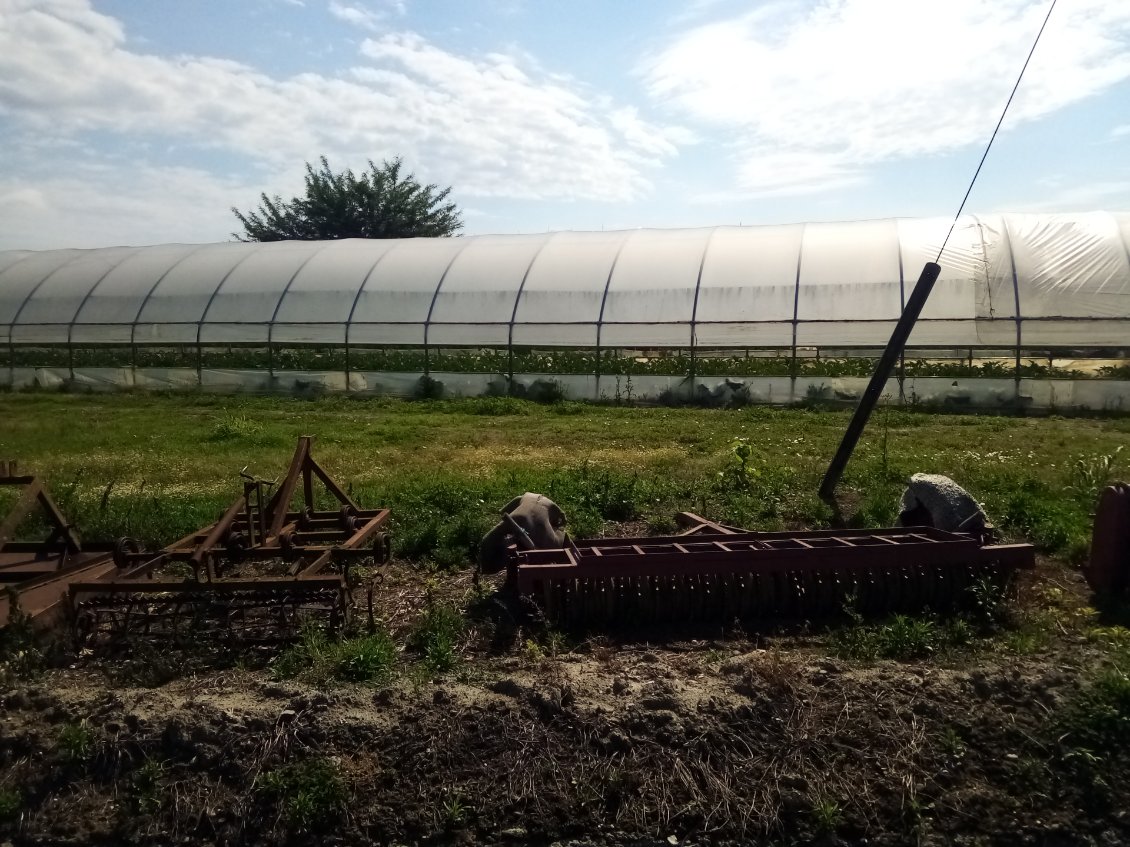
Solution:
(983, 394)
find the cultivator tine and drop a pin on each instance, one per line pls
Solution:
(723, 576)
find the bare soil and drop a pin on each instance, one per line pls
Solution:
(762, 738)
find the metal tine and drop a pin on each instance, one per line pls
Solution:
(795, 598)
(903, 600)
(872, 596)
(912, 586)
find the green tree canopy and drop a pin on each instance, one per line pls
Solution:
(378, 204)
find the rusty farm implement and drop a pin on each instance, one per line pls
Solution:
(719, 573)
(252, 577)
(34, 574)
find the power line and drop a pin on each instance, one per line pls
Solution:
(985, 155)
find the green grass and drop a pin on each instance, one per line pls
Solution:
(826, 815)
(144, 793)
(308, 794)
(11, 802)
(22, 655)
(321, 659)
(75, 741)
(1098, 718)
(901, 637)
(436, 636)
(159, 466)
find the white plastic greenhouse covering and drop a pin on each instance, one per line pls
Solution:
(1007, 280)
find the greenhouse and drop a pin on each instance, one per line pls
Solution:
(1031, 310)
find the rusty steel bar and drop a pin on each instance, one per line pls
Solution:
(696, 524)
(218, 531)
(280, 502)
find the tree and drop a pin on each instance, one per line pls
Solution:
(378, 204)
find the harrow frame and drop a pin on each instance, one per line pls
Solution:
(34, 575)
(720, 573)
(317, 548)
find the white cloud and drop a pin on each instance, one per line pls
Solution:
(814, 94)
(97, 204)
(1065, 194)
(359, 16)
(1120, 131)
(493, 125)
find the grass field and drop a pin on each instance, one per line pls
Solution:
(155, 467)
(1004, 724)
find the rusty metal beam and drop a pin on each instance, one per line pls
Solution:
(280, 502)
(883, 370)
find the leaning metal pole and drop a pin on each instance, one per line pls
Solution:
(879, 379)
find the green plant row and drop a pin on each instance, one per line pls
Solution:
(523, 361)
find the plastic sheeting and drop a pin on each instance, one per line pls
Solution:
(1007, 280)
(1047, 395)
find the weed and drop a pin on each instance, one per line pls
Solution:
(449, 558)
(436, 635)
(320, 659)
(611, 496)
(533, 651)
(75, 741)
(1090, 473)
(428, 388)
(826, 815)
(952, 743)
(454, 812)
(556, 642)
(366, 659)
(987, 602)
(907, 638)
(21, 657)
(1032, 634)
(235, 426)
(1054, 523)
(713, 657)
(10, 803)
(1098, 718)
(902, 637)
(1111, 636)
(308, 794)
(500, 406)
(742, 472)
(546, 391)
(145, 787)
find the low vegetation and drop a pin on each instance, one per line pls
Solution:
(320, 658)
(1016, 708)
(308, 794)
(157, 467)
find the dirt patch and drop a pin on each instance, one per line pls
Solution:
(537, 738)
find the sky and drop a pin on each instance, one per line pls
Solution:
(132, 122)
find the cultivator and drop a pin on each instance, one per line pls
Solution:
(252, 577)
(720, 573)
(34, 574)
